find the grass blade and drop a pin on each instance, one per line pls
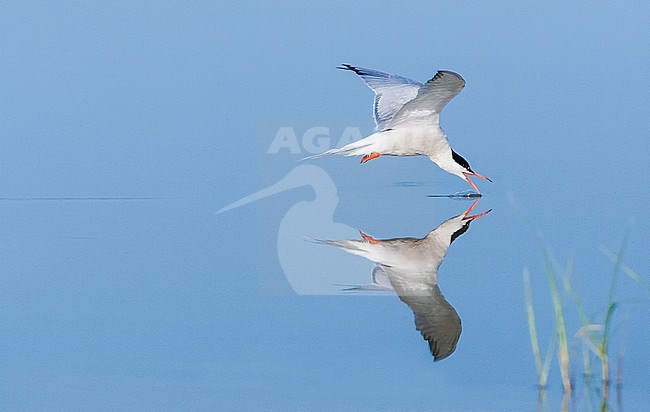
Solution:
(625, 269)
(611, 307)
(560, 328)
(532, 330)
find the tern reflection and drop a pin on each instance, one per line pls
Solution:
(409, 267)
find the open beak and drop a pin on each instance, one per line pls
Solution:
(467, 174)
(479, 176)
(466, 215)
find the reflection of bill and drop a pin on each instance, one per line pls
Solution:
(411, 265)
(308, 270)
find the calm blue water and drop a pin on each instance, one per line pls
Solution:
(127, 127)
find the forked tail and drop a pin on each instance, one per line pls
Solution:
(352, 149)
(355, 247)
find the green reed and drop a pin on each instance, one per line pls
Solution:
(594, 337)
(542, 367)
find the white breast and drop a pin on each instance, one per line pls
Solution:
(412, 141)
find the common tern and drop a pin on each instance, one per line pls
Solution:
(407, 118)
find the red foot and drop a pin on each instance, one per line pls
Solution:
(370, 156)
(369, 239)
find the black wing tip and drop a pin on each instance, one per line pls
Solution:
(438, 358)
(437, 352)
(441, 73)
(350, 68)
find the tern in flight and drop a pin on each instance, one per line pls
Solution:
(411, 268)
(407, 118)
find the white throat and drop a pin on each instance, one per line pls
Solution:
(447, 163)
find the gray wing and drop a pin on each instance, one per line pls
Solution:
(391, 92)
(430, 100)
(436, 320)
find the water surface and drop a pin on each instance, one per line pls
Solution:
(127, 127)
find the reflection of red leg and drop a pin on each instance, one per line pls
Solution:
(368, 239)
(370, 156)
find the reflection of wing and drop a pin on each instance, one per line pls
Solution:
(380, 278)
(391, 92)
(379, 283)
(431, 99)
(436, 320)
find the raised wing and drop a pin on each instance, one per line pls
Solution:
(435, 319)
(432, 97)
(391, 92)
